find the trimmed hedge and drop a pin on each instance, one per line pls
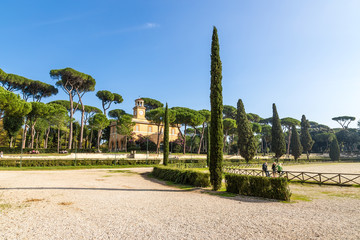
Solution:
(72, 162)
(266, 187)
(188, 177)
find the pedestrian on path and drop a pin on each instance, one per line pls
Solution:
(264, 168)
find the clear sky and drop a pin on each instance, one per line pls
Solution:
(302, 55)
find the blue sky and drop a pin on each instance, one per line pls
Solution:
(302, 55)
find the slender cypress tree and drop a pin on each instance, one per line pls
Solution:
(246, 139)
(296, 148)
(208, 145)
(166, 136)
(305, 137)
(278, 145)
(334, 150)
(216, 130)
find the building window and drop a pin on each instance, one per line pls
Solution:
(150, 129)
(137, 128)
(172, 131)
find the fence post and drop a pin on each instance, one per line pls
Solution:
(339, 178)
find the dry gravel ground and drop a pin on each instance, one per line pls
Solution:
(325, 167)
(105, 204)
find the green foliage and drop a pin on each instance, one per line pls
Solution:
(72, 162)
(99, 121)
(187, 117)
(246, 139)
(216, 100)
(12, 126)
(166, 136)
(273, 188)
(150, 103)
(208, 145)
(12, 105)
(288, 122)
(70, 77)
(188, 177)
(229, 112)
(296, 148)
(107, 98)
(334, 150)
(206, 114)
(30, 88)
(254, 118)
(305, 137)
(344, 121)
(38, 90)
(278, 145)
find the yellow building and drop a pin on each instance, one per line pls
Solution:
(142, 127)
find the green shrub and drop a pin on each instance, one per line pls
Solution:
(73, 162)
(188, 177)
(274, 188)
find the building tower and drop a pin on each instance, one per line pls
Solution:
(139, 109)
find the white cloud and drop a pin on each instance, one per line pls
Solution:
(148, 25)
(151, 25)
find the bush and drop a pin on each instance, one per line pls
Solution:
(274, 188)
(72, 162)
(188, 177)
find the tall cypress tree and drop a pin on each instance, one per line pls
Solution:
(216, 130)
(208, 145)
(246, 139)
(166, 136)
(296, 148)
(305, 137)
(278, 145)
(334, 150)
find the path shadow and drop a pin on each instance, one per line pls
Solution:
(239, 198)
(94, 189)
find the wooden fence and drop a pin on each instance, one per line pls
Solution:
(311, 177)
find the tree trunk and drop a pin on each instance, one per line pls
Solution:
(11, 141)
(91, 135)
(47, 138)
(184, 139)
(225, 137)
(82, 124)
(32, 134)
(58, 145)
(37, 140)
(71, 119)
(98, 140)
(201, 138)
(192, 140)
(24, 135)
(125, 144)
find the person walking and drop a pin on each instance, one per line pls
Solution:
(273, 167)
(1, 154)
(279, 169)
(264, 168)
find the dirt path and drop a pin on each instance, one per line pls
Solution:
(109, 204)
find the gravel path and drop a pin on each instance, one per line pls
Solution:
(326, 167)
(104, 204)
